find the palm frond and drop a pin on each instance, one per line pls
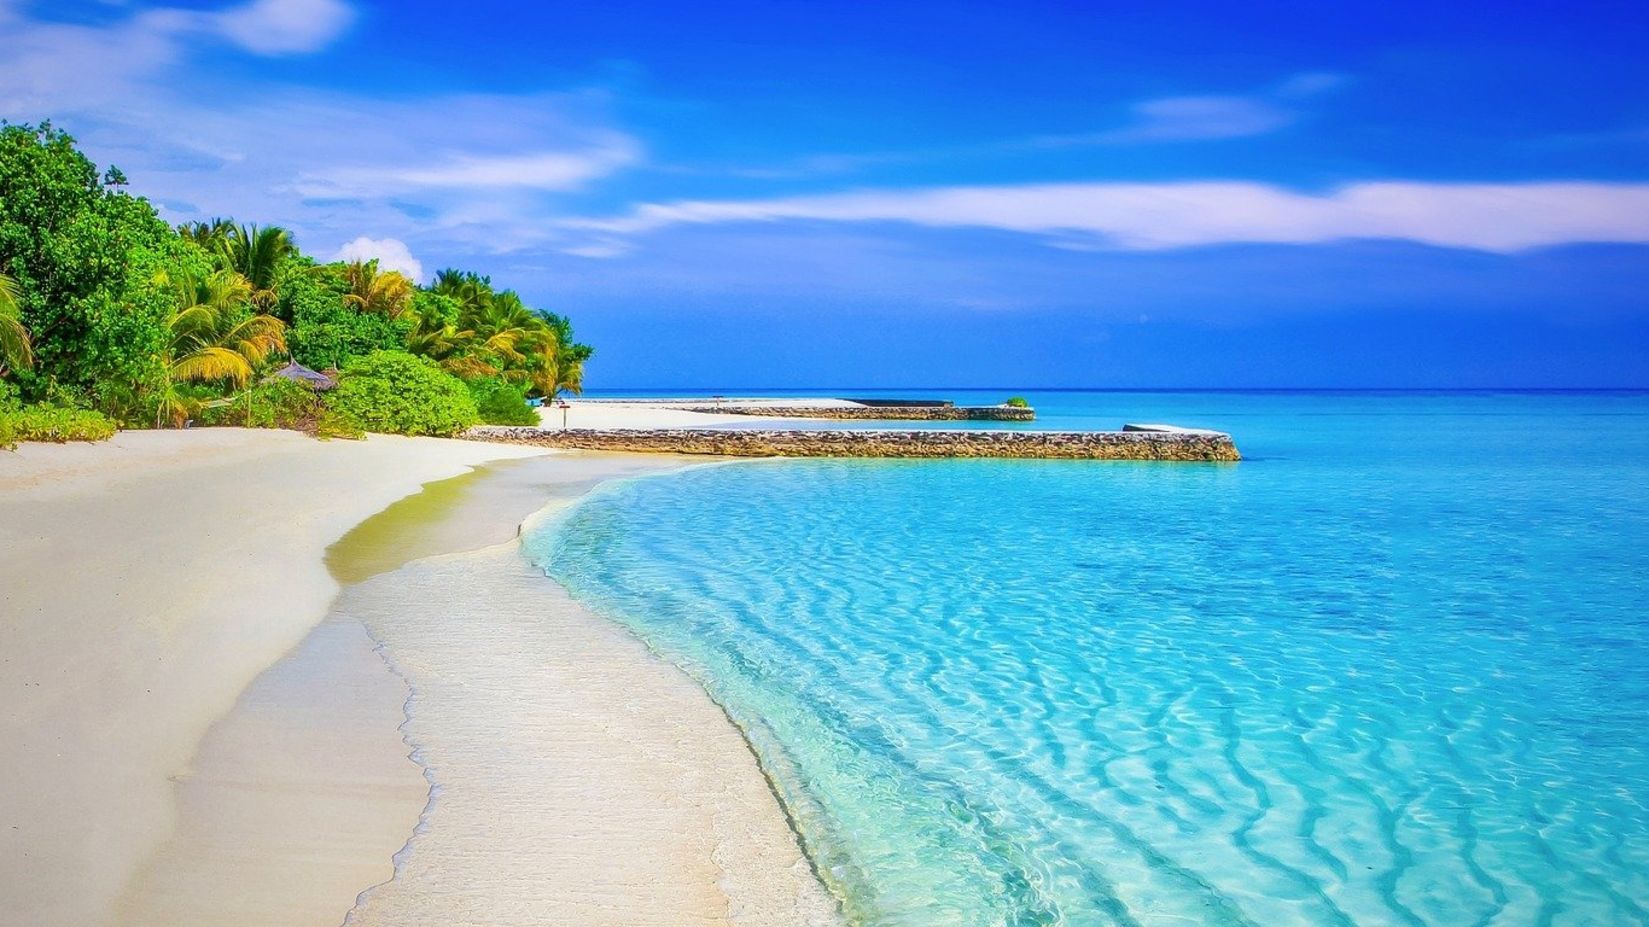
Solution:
(11, 298)
(212, 364)
(16, 350)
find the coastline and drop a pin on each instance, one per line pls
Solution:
(146, 581)
(574, 775)
(294, 796)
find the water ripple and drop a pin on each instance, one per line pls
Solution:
(1038, 693)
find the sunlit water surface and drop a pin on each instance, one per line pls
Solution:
(1392, 669)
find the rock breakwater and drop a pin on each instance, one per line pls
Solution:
(1067, 445)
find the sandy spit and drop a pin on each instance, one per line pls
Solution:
(144, 582)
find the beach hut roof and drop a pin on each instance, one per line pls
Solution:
(318, 381)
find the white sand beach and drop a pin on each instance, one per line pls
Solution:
(145, 581)
(188, 742)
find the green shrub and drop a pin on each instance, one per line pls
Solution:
(8, 398)
(1018, 402)
(335, 424)
(48, 423)
(275, 403)
(501, 403)
(397, 393)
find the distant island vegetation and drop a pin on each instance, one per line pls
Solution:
(110, 317)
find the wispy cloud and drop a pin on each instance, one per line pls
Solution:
(51, 62)
(1503, 217)
(539, 170)
(469, 170)
(1182, 119)
(1158, 120)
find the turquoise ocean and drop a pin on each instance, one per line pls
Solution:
(1391, 669)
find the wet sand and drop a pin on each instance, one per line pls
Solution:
(546, 769)
(578, 779)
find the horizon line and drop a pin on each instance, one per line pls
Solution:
(1158, 389)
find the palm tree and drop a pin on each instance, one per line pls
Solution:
(497, 335)
(386, 293)
(215, 338)
(519, 341)
(256, 254)
(442, 342)
(470, 291)
(506, 325)
(16, 352)
(210, 236)
(569, 356)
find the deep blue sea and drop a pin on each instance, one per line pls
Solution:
(1391, 669)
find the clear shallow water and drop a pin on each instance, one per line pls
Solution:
(1393, 669)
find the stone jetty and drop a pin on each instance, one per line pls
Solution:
(1174, 445)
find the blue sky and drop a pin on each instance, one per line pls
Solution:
(901, 194)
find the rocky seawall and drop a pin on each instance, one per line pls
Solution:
(1067, 445)
(934, 413)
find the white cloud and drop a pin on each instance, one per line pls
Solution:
(1194, 118)
(70, 59)
(390, 253)
(605, 248)
(1207, 117)
(278, 27)
(538, 170)
(471, 171)
(1503, 217)
(1309, 84)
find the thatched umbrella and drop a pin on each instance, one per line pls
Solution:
(319, 382)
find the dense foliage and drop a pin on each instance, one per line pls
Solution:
(48, 423)
(400, 393)
(501, 402)
(104, 307)
(274, 403)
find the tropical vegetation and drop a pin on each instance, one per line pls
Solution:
(46, 423)
(108, 311)
(393, 391)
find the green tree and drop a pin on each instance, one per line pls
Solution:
(327, 330)
(501, 402)
(215, 338)
(468, 290)
(386, 293)
(434, 333)
(83, 257)
(496, 335)
(398, 393)
(569, 358)
(253, 252)
(103, 305)
(256, 254)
